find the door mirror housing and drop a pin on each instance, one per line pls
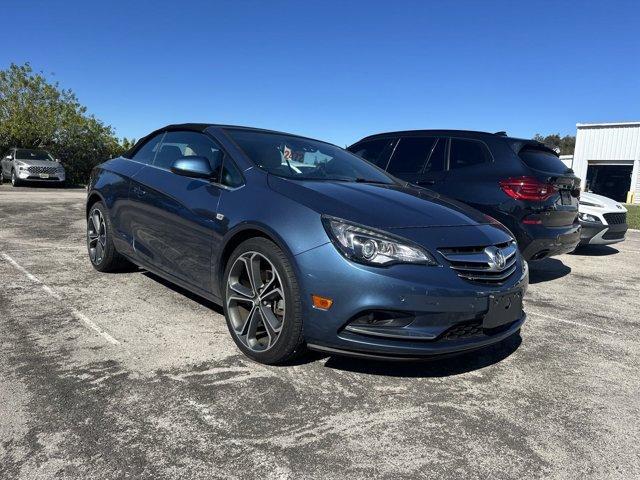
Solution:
(195, 167)
(8, 157)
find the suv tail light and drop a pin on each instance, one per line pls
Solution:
(527, 188)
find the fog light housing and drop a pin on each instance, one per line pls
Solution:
(382, 318)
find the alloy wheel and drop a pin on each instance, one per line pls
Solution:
(97, 236)
(255, 301)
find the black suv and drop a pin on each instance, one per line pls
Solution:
(521, 183)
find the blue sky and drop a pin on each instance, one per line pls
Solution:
(337, 70)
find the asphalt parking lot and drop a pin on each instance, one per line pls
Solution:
(123, 375)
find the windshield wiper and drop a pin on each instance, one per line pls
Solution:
(369, 180)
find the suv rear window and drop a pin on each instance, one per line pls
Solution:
(465, 153)
(542, 160)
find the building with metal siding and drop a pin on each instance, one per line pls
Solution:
(607, 159)
(567, 160)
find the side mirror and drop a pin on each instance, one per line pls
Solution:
(196, 167)
(8, 157)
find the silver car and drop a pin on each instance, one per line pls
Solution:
(25, 165)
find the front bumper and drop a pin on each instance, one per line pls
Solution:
(596, 233)
(447, 311)
(26, 176)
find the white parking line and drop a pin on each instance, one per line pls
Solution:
(57, 247)
(74, 313)
(570, 322)
(93, 326)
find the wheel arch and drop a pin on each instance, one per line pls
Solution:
(92, 199)
(238, 235)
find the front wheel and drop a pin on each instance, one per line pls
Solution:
(262, 303)
(15, 181)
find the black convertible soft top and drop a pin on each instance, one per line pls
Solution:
(201, 127)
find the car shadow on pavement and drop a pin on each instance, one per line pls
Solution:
(595, 251)
(442, 367)
(190, 295)
(547, 270)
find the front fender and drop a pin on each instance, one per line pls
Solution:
(237, 235)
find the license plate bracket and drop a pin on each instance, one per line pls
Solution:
(44, 175)
(503, 309)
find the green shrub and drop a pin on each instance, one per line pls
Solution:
(633, 217)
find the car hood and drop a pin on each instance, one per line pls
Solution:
(606, 202)
(38, 163)
(383, 206)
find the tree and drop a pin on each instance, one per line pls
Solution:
(564, 145)
(35, 112)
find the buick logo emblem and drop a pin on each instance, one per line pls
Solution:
(495, 258)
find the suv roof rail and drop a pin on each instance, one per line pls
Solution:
(501, 133)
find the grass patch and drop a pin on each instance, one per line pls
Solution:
(633, 217)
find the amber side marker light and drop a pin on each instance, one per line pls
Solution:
(321, 303)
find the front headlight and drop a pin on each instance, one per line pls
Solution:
(372, 247)
(590, 204)
(19, 164)
(585, 217)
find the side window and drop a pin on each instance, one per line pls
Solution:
(148, 151)
(231, 176)
(375, 151)
(437, 160)
(187, 144)
(465, 153)
(411, 154)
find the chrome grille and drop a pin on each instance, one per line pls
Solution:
(492, 264)
(615, 218)
(39, 170)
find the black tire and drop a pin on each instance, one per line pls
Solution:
(15, 181)
(290, 342)
(110, 260)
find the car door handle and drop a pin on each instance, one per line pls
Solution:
(139, 191)
(426, 182)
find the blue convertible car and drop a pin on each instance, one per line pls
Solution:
(306, 245)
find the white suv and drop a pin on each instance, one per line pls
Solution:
(32, 166)
(603, 220)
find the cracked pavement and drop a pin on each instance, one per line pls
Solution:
(172, 397)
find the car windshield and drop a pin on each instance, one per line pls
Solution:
(304, 159)
(28, 154)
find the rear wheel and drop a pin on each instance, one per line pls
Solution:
(262, 303)
(102, 253)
